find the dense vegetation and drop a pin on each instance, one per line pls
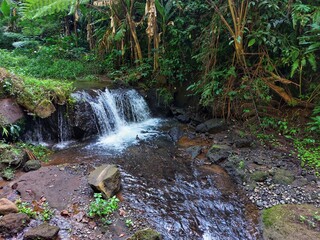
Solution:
(244, 59)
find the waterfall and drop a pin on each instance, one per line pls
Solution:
(115, 115)
(114, 109)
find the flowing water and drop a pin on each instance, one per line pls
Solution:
(180, 197)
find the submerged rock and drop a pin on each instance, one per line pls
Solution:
(6, 207)
(146, 234)
(32, 165)
(13, 223)
(105, 179)
(42, 232)
(212, 126)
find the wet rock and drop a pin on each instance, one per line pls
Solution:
(194, 151)
(282, 176)
(6, 207)
(32, 165)
(212, 126)
(243, 142)
(81, 119)
(10, 111)
(42, 232)
(259, 176)
(13, 157)
(13, 223)
(105, 179)
(218, 153)
(146, 234)
(183, 118)
(175, 133)
(44, 109)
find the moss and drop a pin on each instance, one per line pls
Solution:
(259, 176)
(282, 222)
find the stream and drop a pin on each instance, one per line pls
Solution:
(181, 197)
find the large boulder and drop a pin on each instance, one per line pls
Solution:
(13, 223)
(6, 207)
(10, 111)
(32, 165)
(105, 179)
(146, 234)
(212, 126)
(42, 232)
(13, 157)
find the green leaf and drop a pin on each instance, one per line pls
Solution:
(5, 8)
(251, 42)
(294, 67)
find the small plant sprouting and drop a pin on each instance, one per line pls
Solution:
(129, 223)
(43, 212)
(101, 207)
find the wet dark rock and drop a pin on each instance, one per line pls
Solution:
(175, 133)
(282, 176)
(32, 165)
(194, 151)
(183, 118)
(157, 104)
(10, 111)
(218, 153)
(259, 176)
(245, 142)
(6, 207)
(146, 234)
(13, 223)
(82, 120)
(105, 179)
(212, 126)
(42, 232)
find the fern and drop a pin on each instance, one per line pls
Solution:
(38, 8)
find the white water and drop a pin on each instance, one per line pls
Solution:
(129, 134)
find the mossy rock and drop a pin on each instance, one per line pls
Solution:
(45, 108)
(146, 234)
(284, 222)
(283, 177)
(13, 157)
(259, 176)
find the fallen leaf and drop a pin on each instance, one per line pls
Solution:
(122, 235)
(65, 213)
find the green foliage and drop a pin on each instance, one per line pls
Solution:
(40, 152)
(40, 211)
(129, 223)
(24, 207)
(101, 207)
(165, 96)
(39, 8)
(11, 131)
(8, 173)
(308, 152)
(314, 124)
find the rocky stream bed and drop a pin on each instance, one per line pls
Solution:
(186, 183)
